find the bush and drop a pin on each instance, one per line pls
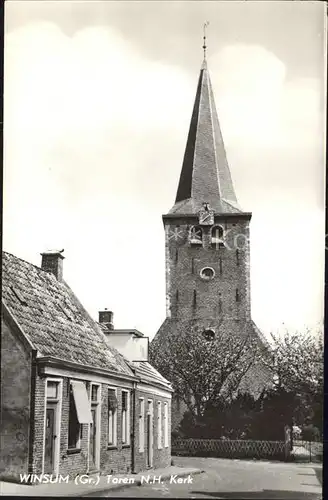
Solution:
(310, 433)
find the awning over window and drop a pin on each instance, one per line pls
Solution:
(82, 402)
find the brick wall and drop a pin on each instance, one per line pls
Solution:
(15, 404)
(215, 298)
(161, 456)
(118, 459)
(38, 424)
(222, 303)
(113, 460)
(74, 463)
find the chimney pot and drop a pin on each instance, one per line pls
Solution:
(106, 318)
(52, 261)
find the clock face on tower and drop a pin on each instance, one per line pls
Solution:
(206, 217)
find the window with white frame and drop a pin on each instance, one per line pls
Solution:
(166, 425)
(74, 426)
(125, 418)
(112, 417)
(159, 425)
(141, 425)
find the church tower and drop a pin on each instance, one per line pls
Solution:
(206, 231)
(207, 235)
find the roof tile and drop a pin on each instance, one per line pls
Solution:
(45, 319)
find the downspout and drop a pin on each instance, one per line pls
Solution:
(32, 412)
(133, 433)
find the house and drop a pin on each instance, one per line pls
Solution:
(77, 395)
(207, 247)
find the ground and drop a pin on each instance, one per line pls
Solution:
(236, 479)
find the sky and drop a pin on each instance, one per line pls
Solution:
(97, 103)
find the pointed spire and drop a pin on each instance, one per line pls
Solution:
(204, 39)
(205, 174)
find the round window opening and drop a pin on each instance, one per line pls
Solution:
(207, 273)
(209, 334)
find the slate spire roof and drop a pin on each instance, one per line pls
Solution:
(205, 174)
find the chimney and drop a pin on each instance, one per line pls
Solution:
(52, 261)
(106, 318)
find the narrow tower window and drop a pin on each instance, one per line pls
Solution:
(237, 295)
(192, 266)
(176, 255)
(195, 299)
(217, 237)
(237, 257)
(177, 296)
(196, 235)
(220, 265)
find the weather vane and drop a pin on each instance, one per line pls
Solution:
(204, 37)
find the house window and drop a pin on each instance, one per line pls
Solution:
(141, 425)
(52, 390)
(112, 417)
(217, 237)
(166, 425)
(74, 426)
(79, 412)
(125, 418)
(94, 393)
(196, 235)
(159, 425)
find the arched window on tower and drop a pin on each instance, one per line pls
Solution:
(196, 235)
(217, 237)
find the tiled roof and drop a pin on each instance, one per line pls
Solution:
(205, 174)
(149, 374)
(53, 319)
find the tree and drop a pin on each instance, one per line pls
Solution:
(297, 365)
(204, 368)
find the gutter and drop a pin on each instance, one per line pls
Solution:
(62, 363)
(241, 215)
(31, 438)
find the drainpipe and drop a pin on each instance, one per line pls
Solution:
(133, 433)
(31, 437)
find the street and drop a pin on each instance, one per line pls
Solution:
(235, 479)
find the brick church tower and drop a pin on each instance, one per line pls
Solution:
(207, 237)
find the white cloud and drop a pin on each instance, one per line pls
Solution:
(259, 105)
(94, 138)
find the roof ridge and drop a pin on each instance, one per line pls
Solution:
(39, 268)
(44, 321)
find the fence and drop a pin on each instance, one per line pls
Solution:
(274, 450)
(307, 451)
